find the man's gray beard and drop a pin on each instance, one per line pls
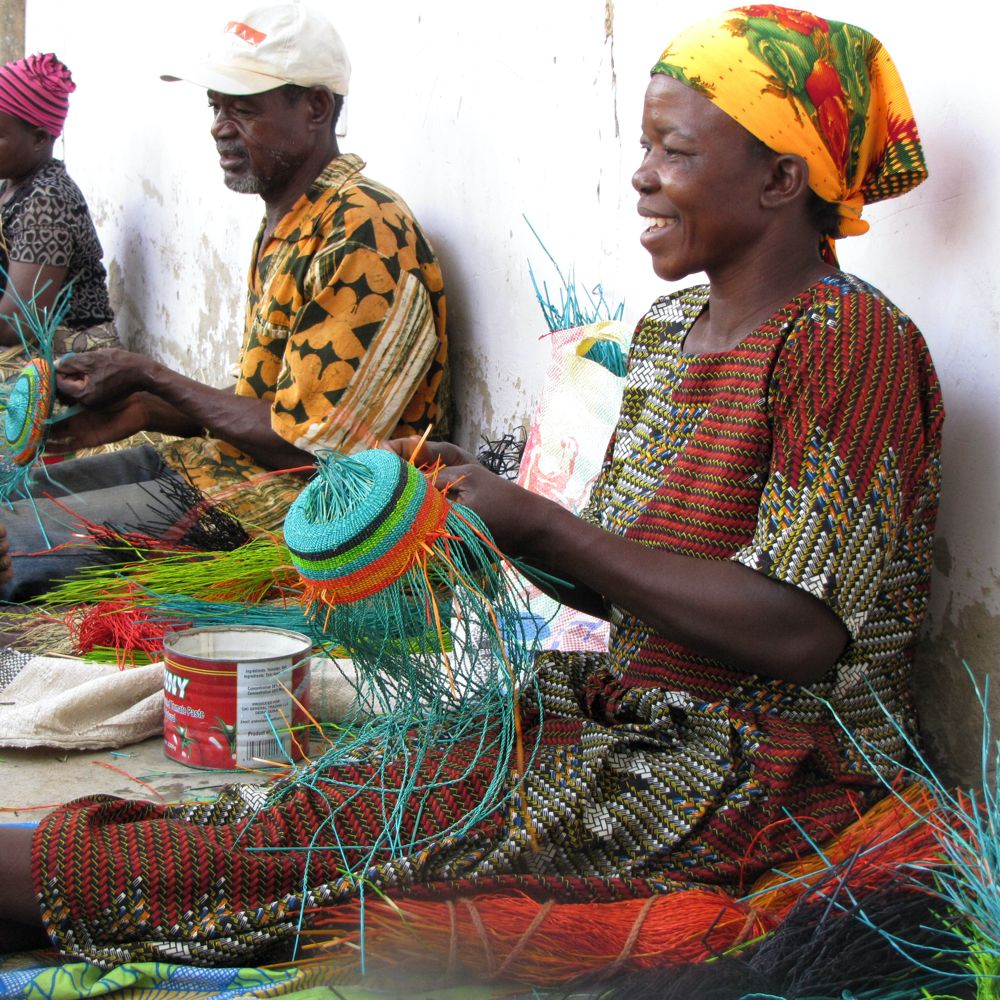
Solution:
(247, 184)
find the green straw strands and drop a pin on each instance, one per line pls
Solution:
(257, 570)
(413, 588)
(570, 311)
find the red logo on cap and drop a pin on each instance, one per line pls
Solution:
(244, 31)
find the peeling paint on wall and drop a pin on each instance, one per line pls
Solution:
(150, 191)
(11, 30)
(950, 715)
(609, 40)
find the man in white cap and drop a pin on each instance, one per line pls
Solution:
(344, 343)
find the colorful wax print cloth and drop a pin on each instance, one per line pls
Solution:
(809, 453)
(33, 977)
(46, 221)
(44, 976)
(804, 84)
(345, 328)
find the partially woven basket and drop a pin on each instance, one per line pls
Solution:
(26, 413)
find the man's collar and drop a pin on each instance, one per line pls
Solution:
(299, 218)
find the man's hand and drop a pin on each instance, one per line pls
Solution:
(90, 428)
(99, 378)
(139, 412)
(6, 570)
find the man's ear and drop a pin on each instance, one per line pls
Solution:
(787, 181)
(321, 108)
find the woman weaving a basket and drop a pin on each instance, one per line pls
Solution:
(760, 538)
(47, 238)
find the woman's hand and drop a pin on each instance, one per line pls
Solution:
(427, 452)
(511, 513)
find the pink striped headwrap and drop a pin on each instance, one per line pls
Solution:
(37, 89)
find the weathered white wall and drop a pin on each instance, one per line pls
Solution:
(478, 113)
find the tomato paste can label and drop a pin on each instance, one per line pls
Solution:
(235, 697)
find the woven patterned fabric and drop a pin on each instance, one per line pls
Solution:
(808, 453)
(630, 792)
(649, 767)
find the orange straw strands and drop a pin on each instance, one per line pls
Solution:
(511, 936)
(517, 939)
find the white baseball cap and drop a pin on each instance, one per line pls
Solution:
(267, 47)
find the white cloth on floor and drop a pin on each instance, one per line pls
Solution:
(61, 701)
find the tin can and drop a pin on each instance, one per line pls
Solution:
(235, 697)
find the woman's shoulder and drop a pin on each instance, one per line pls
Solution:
(55, 176)
(53, 186)
(844, 324)
(852, 299)
(671, 314)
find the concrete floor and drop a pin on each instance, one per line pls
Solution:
(34, 781)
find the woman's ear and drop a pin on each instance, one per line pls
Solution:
(788, 181)
(40, 139)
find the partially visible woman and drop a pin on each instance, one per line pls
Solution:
(47, 237)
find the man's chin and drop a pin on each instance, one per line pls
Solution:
(244, 183)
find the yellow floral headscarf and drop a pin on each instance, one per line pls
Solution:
(821, 89)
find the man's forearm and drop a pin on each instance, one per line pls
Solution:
(239, 420)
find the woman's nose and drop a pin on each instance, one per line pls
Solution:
(644, 179)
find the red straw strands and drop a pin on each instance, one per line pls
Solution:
(898, 830)
(122, 626)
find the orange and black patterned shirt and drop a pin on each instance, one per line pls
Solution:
(345, 328)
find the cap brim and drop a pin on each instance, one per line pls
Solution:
(240, 83)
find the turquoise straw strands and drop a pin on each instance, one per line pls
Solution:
(412, 587)
(570, 311)
(966, 825)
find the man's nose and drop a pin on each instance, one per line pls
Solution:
(222, 126)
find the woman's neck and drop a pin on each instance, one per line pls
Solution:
(12, 185)
(740, 301)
